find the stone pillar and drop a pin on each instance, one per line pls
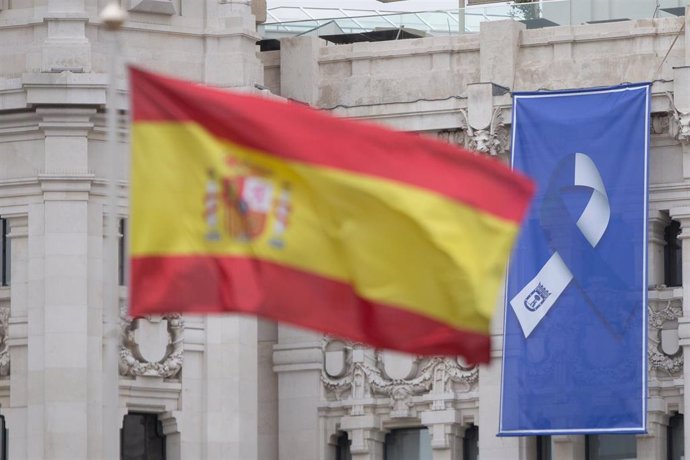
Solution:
(230, 396)
(446, 433)
(569, 447)
(299, 68)
(66, 46)
(680, 119)
(653, 444)
(499, 43)
(657, 223)
(683, 216)
(366, 435)
(63, 405)
(298, 361)
(492, 447)
(16, 334)
(230, 55)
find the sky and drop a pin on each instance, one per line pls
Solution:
(408, 5)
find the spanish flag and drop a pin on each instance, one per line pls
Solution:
(251, 205)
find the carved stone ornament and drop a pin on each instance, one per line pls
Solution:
(670, 364)
(132, 361)
(452, 136)
(660, 123)
(433, 376)
(492, 140)
(4, 349)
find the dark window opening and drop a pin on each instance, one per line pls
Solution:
(142, 438)
(673, 261)
(675, 439)
(343, 448)
(543, 447)
(408, 444)
(122, 253)
(610, 447)
(4, 253)
(470, 443)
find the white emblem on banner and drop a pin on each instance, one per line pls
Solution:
(535, 300)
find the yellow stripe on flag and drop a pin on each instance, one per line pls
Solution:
(396, 244)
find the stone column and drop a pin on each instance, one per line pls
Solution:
(63, 402)
(298, 360)
(657, 223)
(683, 216)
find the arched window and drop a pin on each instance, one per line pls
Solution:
(142, 438)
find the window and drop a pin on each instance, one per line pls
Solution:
(675, 447)
(3, 438)
(611, 447)
(673, 268)
(470, 443)
(408, 444)
(4, 253)
(343, 448)
(543, 447)
(122, 253)
(142, 438)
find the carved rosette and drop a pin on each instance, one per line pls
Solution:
(4, 349)
(133, 364)
(670, 364)
(361, 379)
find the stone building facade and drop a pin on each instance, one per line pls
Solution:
(240, 388)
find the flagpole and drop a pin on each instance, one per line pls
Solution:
(112, 16)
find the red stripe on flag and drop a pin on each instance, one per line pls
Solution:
(201, 284)
(302, 134)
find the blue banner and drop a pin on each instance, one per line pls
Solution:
(574, 350)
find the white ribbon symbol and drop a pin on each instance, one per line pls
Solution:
(535, 300)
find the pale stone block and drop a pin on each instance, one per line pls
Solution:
(59, 351)
(66, 319)
(65, 385)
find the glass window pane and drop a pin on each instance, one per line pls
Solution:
(611, 447)
(142, 438)
(343, 448)
(408, 444)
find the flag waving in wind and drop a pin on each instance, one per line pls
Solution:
(245, 204)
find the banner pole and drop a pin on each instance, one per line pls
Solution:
(113, 17)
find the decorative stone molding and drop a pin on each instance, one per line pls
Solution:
(133, 364)
(452, 136)
(362, 379)
(671, 364)
(661, 123)
(152, 6)
(4, 349)
(492, 140)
